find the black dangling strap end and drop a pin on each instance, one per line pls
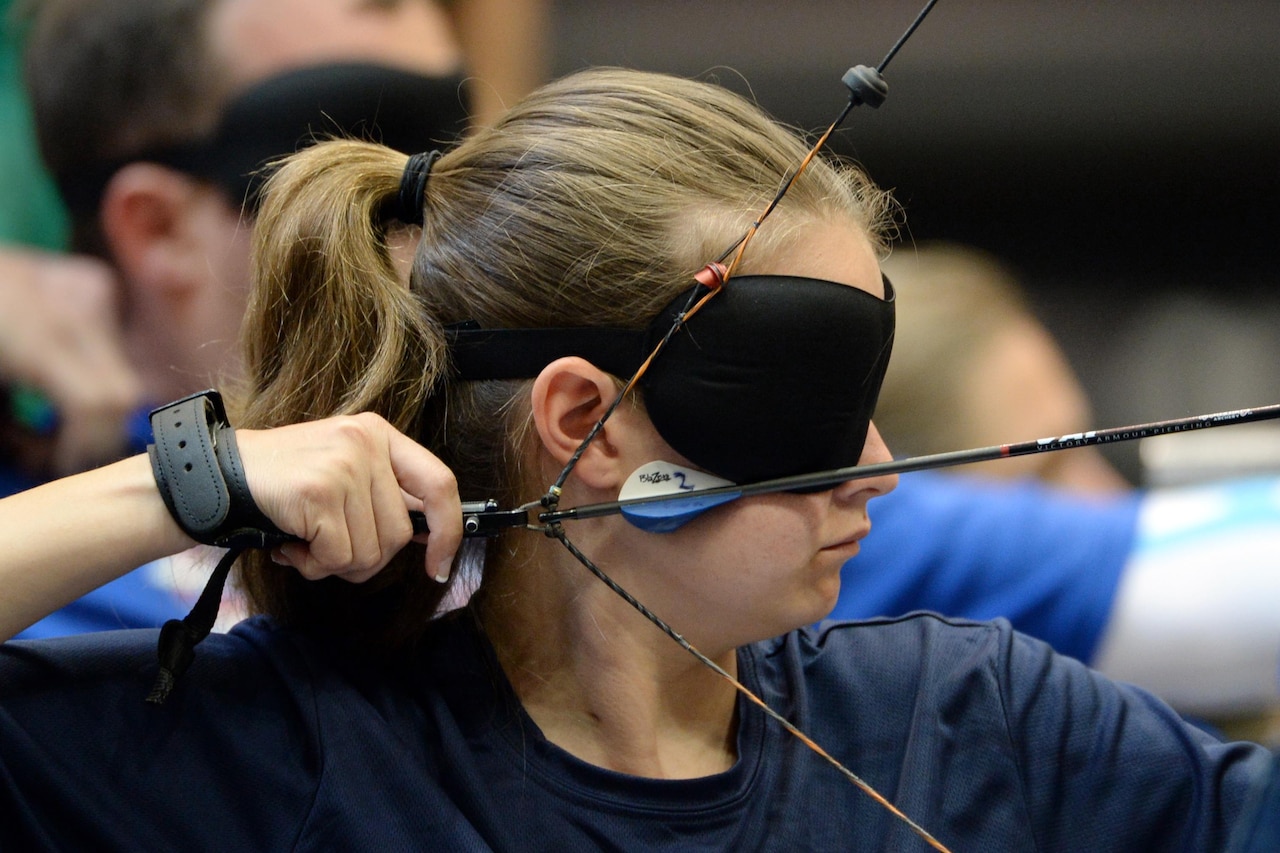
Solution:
(179, 637)
(175, 650)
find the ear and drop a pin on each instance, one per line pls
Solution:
(145, 215)
(570, 396)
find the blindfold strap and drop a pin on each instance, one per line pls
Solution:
(522, 353)
(777, 377)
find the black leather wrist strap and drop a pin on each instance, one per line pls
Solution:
(197, 466)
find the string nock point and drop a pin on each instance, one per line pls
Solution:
(866, 85)
(712, 276)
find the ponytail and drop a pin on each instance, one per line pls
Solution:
(323, 274)
(332, 328)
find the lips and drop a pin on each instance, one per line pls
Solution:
(849, 541)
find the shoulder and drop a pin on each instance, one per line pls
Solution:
(911, 661)
(112, 656)
(897, 639)
(257, 676)
(945, 657)
(994, 683)
(1079, 761)
(256, 681)
(239, 734)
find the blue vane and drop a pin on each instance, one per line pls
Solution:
(682, 483)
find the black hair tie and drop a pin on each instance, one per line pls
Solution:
(413, 187)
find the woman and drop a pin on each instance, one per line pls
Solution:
(557, 248)
(1129, 581)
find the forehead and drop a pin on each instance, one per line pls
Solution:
(259, 38)
(833, 250)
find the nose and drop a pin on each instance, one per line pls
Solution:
(874, 450)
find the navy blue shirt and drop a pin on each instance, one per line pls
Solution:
(985, 737)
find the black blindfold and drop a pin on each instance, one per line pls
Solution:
(401, 109)
(775, 376)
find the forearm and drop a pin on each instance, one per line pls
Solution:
(340, 488)
(70, 536)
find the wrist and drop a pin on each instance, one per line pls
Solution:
(197, 468)
(133, 484)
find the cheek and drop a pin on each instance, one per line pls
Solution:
(762, 536)
(741, 572)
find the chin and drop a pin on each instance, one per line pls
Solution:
(801, 610)
(819, 602)
(828, 604)
(826, 587)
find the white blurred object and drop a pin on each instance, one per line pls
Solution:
(1196, 618)
(1182, 458)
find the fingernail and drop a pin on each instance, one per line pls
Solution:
(442, 577)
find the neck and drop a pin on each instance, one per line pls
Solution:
(600, 680)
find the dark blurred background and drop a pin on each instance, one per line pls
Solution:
(1124, 156)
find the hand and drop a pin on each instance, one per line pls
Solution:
(60, 334)
(345, 485)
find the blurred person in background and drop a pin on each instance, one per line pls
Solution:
(1172, 589)
(153, 118)
(58, 326)
(976, 368)
(120, 82)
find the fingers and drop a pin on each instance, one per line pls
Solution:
(59, 334)
(419, 473)
(345, 486)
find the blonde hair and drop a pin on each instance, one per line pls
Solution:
(591, 203)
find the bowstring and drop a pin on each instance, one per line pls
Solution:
(715, 276)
